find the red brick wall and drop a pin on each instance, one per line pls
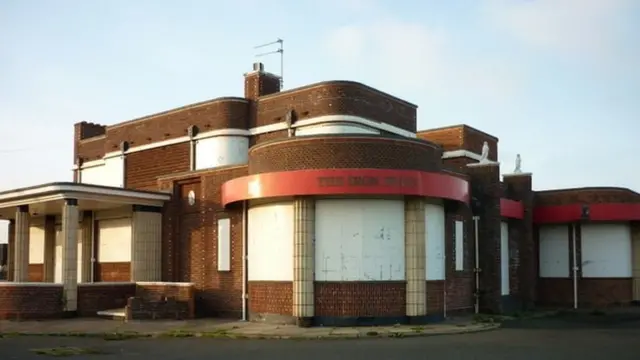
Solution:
(462, 137)
(155, 300)
(605, 292)
(523, 262)
(592, 195)
(327, 98)
(36, 272)
(270, 298)
(327, 152)
(435, 297)
(555, 292)
(460, 285)
(113, 272)
(143, 168)
(103, 296)
(20, 301)
(360, 299)
(190, 240)
(486, 186)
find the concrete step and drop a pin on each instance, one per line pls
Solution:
(113, 314)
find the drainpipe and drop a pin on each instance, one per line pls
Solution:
(477, 266)
(575, 267)
(444, 289)
(93, 245)
(244, 261)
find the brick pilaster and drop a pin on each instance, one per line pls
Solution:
(21, 245)
(303, 260)
(519, 187)
(69, 235)
(415, 258)
(486, 188)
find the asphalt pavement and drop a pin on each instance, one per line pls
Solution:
(546, 339)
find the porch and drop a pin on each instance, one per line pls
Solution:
(62, 235)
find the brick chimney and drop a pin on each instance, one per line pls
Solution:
(260, 83)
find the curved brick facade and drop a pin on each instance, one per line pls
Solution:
(337, 98)
(334, 152)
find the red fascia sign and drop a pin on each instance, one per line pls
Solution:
(346, 182)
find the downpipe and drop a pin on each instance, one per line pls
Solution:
(476, 270)
(93, 246)
(575, 265)
(244, 261)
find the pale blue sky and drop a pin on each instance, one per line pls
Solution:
(556, 80)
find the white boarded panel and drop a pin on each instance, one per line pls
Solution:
(270, 242)
(109, 174)
(554, 251)
(57, 265)
(459, 244)
(504, 257)
(224, 245)
(114, 238)
(221, 151)
(359, 240)
(334, 129)
(36, 241)
(435, 241)
(606, 251)
(57, 268)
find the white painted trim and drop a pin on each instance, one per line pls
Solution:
(352, 119)
(89, 190)
(106, 283)
(271, 128)
(516, 174)
(28, 284)
(461, 153)
(159, 283)
(486, 163)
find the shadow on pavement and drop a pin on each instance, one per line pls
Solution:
(579, 320)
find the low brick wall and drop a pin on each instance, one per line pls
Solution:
(160, 300)
(27, 301)
(94, 297)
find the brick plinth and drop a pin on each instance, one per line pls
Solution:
(94, 297)
(30, 301)
(360, 303)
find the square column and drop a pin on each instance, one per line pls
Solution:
(69, 233)
(303, 260)
(11, 257)
(49, 248)
(21, 245)
(415, 259)
(146, 243)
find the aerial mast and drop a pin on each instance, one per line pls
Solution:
(279, 50)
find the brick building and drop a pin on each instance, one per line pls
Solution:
(317, 205)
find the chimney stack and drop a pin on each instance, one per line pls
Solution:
(260, 83)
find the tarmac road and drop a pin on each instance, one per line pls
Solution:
(546, 339)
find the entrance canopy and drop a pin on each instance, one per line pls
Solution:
(48, 199)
